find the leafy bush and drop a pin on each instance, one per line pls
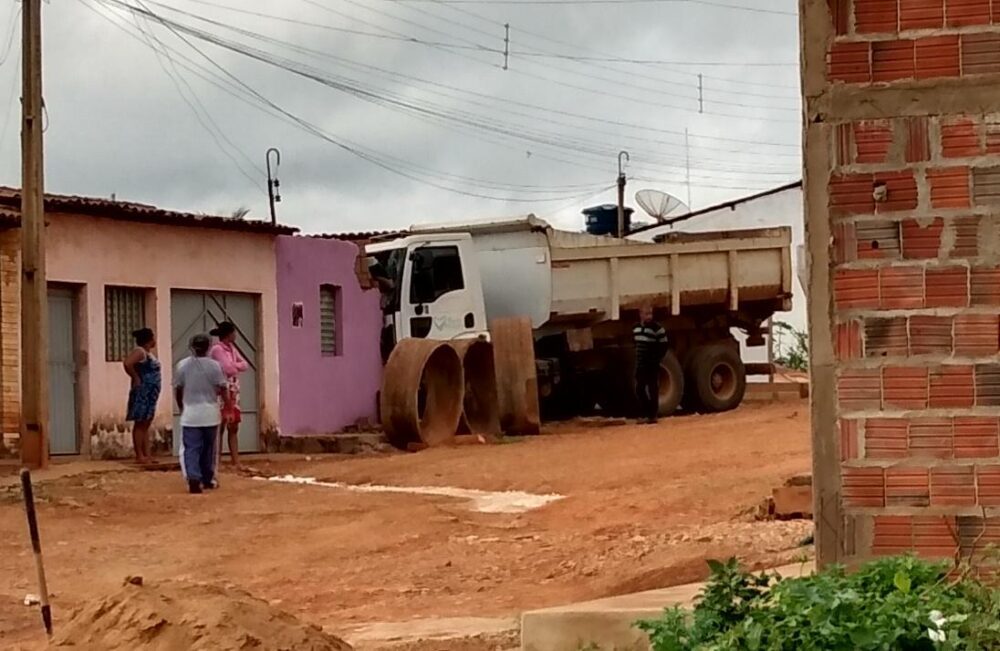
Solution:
(795, 354)
(895, 603)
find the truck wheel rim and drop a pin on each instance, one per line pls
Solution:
(722, 381)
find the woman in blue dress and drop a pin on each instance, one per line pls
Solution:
(144, 370)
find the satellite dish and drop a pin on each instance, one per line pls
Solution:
(660, 205)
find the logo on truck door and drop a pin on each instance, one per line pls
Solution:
(446, 322)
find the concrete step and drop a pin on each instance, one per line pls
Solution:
(777, 390)
(609, 624)
(348, 443)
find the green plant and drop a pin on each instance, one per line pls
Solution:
(793, 355)
(895, 603)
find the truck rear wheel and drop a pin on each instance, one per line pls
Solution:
(671, 385)
(717, 379)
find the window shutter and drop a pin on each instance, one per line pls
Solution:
(124, 312)
(328, 296)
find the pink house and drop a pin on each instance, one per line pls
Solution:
(114, 267)
(328, 333)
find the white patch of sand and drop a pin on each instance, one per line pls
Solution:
(482, 501)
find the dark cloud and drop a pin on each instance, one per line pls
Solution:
(118, 124)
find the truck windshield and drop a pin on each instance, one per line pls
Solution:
(388, 273)
(437, 270)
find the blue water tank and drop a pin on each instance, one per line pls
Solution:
(603, 219)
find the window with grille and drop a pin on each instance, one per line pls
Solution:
(124, 312)
(329, 326)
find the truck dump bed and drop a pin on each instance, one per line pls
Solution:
(727, 269)
(553, 276)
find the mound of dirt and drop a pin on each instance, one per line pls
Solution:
(172, 615)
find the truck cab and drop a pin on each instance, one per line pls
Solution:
(431, 288)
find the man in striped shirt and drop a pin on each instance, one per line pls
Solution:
(650, 347)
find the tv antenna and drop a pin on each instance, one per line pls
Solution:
(660, 205)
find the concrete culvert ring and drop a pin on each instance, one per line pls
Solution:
(481, 408)
(422, 391)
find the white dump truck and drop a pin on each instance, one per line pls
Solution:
(583, 294)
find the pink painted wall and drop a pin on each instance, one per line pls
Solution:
(91, 252)
(325, 394)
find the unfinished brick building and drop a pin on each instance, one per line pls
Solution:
(902, 181)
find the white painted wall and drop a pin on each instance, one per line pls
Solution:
(781, 209)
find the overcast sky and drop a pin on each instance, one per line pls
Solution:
(440, 109)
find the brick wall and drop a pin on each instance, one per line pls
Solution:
(10, 346)
(903, 213)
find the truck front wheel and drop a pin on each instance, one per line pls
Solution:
(717, 378)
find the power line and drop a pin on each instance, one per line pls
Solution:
(207, 122)
(560, 82)
(618, 81)
(332, 28)
(14, 13)
(548, 38)
(368, 69)
(442, 45)
(704, 3)
(572, 57)
(409, 170)
(10, 100)
(389, 163)
(428, 111)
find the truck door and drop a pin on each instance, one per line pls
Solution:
(441, 299)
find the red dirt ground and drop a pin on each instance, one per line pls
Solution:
(645, 505)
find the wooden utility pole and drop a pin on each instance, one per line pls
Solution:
(34, 294)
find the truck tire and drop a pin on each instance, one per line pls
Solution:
(671, 385)
(618, 393)
(717, 380)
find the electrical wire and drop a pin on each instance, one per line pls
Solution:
(602, 152)
(368, 70)
(15, 12)
(203, 116)
(385, 162)
(704, 3)
(696, 107)
(548, 38)
(645, 128)
(10, 101)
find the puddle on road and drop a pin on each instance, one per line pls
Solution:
(481, 501)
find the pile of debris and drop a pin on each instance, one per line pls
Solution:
(172, 615)
(792, 501)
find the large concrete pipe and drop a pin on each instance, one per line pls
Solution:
(480, 408)
(422, 392)
(517, 379)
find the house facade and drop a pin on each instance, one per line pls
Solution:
(329, 321)
(113, 267)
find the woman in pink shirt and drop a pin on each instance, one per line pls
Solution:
(229, 358)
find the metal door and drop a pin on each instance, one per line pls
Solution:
(63, 425)
(194, 313)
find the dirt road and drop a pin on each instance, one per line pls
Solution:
(643, 507)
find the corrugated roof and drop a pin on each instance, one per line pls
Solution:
(358, 236)
(10, 208)
(485, 225)
(726, 204)
(9, 218)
